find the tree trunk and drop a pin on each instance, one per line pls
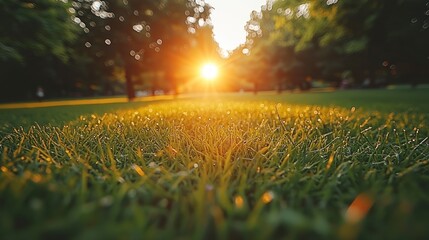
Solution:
(279, 80)
(255, 88)
(174, 83)
(129, 83)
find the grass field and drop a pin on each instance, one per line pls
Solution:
(340, 165)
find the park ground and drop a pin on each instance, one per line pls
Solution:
(327, 165)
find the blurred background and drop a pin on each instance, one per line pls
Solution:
(56, 49)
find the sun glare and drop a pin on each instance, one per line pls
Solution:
(209, 71)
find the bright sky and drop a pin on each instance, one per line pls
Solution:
(229, 18)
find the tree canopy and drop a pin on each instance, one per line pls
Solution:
(34, 34)
(79, 46)
(301, 40)
(142, 35)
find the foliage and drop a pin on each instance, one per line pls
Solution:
(80, 48)
(141, 35)
(35, 39)
(41, 28)
(378, 40)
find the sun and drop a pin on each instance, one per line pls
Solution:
(209, 71)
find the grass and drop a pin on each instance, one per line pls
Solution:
(61, 112)
(239, 168)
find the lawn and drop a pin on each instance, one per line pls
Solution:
(340, 165)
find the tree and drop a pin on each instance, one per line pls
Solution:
(141, 35)
(322, 39)
(361, 36)
(35, 38)
(259, 50)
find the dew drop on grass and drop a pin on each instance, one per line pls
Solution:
(163, 203)
(106, 201)
(182, 174)
(267, 197)
(36, 204)
(132, 193)
(238, 201)
(209, 187)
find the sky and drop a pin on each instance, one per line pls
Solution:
(229, 18)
